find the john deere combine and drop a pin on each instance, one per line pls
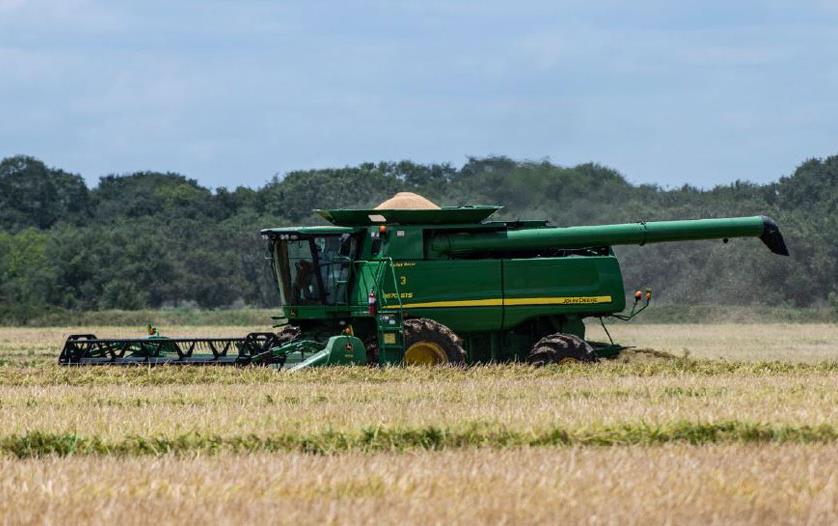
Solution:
(429, 285)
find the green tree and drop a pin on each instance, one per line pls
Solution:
(32, 195)
(151, 239)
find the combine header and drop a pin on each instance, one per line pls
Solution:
(411, 283)
(157, 350)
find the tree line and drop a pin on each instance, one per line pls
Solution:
(151, 240)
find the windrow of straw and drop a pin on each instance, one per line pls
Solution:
(388, 439)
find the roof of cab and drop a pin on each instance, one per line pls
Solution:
(311, 230)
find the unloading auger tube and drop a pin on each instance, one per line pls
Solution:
(606, 235)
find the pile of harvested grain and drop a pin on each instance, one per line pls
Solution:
(407, 201)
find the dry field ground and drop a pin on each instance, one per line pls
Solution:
(742, 430)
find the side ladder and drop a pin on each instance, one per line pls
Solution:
(390, 320)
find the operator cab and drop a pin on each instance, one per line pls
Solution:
(312, 265)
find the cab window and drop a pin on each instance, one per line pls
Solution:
(314, 270)
(334, 258)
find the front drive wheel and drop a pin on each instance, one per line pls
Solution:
(427, 342)
(561, 348)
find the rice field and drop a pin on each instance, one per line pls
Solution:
(680, 484)
(723, 424)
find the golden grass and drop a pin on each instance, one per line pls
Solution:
(509, 397)
(637, 485)
(114, 403)
(809, 343)
(742, 479)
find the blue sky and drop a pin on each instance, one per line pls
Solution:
(233, 92)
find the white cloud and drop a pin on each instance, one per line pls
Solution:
(10, 5)
(204, 87)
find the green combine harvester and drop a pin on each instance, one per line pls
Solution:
(412, 283)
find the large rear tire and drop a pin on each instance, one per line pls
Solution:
(427, 342)
(561, 348)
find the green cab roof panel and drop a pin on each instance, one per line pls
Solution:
(442, 216)
(312, 230)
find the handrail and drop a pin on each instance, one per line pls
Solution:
(395, 283)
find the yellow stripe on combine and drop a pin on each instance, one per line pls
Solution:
(455, 303)
(560, 300)
(511, 302)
